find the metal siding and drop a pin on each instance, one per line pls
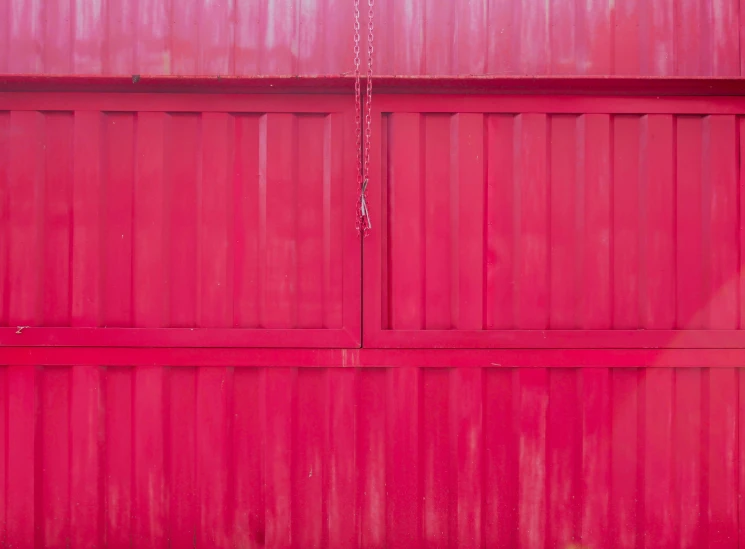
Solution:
(424, 37)
(510, 214)
(588, 217)
(325, 457)
(127, 217)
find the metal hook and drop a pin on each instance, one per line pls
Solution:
(363, 205)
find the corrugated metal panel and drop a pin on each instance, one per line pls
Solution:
(520, 214)
(547, 212)
(178, 211)
(398, 457)
(425, 37)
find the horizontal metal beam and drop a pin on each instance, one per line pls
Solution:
(23, 336)
(573, 85)
(375, 358)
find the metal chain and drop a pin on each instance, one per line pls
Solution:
(363, 137)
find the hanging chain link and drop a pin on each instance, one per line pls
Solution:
(363, 135)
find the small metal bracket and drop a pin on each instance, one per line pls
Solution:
(363, 205)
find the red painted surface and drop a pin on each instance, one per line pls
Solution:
(374, 358)
(504, 214)
(424, 37)
(467, 85)
(396, 457)
(551, 353)
(233, 216)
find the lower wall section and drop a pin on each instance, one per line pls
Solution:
(370, 457)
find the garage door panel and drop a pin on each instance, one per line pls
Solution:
(509, 228)
(239, 224)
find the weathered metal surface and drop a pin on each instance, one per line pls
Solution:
(501, 214)
(383, 457)
(180, 211)
(535, 236)
(424, 37)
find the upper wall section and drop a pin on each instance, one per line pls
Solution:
(412, 37)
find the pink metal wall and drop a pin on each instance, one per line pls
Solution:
(562, 427)
(501, 213)
(372, 457)
(426, 37)
(178, 211)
